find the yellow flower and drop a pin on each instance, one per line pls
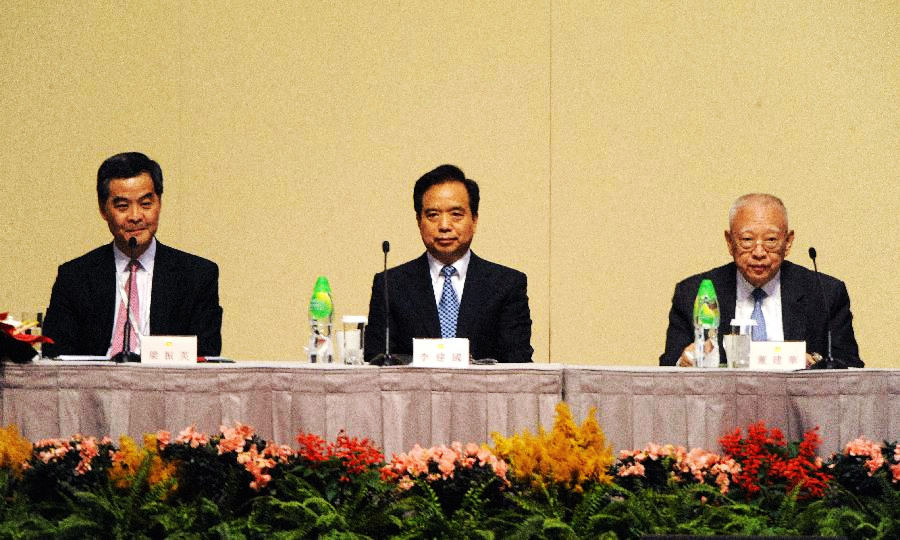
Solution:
(129, 458)
(15, 449)
(569, 456)
(160, 470)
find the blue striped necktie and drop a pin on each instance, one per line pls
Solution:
(448, 307)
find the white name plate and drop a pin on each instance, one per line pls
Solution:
(777, 355)
(168, 350)
(452, 352)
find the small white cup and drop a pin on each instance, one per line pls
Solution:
(352, 338)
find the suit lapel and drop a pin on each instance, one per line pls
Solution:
(473, 293)
(793, 316)
(423, 298)
(725, 280)
(164, 286)
(103, 287)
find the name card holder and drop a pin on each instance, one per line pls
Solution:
(777, 355)
(444, 353)
(168, 350)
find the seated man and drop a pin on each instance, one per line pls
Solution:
(173, 292)
(785, 299)
(449, 291)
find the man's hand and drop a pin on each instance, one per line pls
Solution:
(812, 358)
(687, 355)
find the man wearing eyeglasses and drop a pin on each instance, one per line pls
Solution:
(785, 299)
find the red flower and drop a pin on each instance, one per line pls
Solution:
(767, 460)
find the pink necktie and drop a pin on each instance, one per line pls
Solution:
(119, 337)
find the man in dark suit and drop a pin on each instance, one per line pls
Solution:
(449, 291)
(173, 292)
(787, 300)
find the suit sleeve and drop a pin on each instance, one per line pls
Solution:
(206, 316)
(515, 324)
(840, 320)
(60, 322)
(681, 328)
(374, 341)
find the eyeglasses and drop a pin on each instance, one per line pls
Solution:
(749, 243)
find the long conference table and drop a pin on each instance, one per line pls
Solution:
(398, 407)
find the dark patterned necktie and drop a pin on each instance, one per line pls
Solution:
(759, 331)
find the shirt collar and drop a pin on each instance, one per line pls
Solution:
(146, 259)
(461, 265)
(745, 288)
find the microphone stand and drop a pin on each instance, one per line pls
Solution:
(386, 358)
(829, 362)
(126, 354)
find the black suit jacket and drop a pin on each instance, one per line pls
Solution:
(184, 301)
(805, 314)
(493, 314)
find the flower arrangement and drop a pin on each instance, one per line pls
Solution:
(450, 471)
(57, 467)
(352, 455)
(16, 339)
(233, 483)
(127, 460)
(866, 467)
(568, 456)
(18, 330)
(15, 450)
(657, 465)
(441, 463)
(768, 461)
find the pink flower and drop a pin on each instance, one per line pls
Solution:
(163, 438)
(869, 449)
(895, 472)
(87, 450)
(233, 439)
(282, 452)
(862, 447)
(632, 470)
(472, 449)
(722, 481)
(239, 430)
(447, 465)
(257, 465)
(655, 451)
(191, 436)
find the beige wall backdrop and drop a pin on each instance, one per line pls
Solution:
(608, 139)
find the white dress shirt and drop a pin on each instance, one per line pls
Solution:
(457, 280)
(771, 305)
(144, 277)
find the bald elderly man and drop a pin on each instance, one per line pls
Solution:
(788, 299)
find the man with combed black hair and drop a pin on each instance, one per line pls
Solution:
(173, 292)
(449, 291)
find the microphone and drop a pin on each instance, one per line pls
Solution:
(829, 362)
(385, 358)
(126, 354)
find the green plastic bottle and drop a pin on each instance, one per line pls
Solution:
(706, 325)
(321, 317)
